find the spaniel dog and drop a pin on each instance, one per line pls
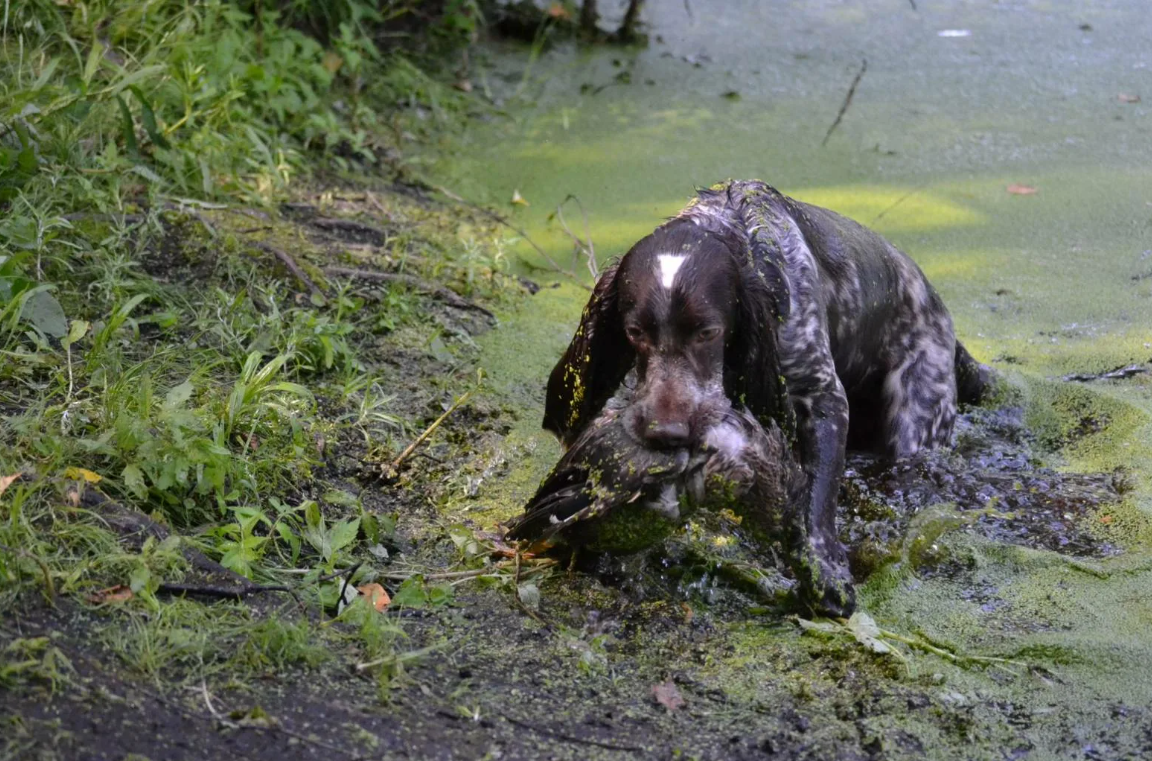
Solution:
(792, 312)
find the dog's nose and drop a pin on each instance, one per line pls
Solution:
(667, 435)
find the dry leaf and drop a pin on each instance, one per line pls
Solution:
(82, 474)
(118, 593)
(1105, 519)
(6, 481)
(1022, 190)
(519, 199)
(668, 696)
(463, 85)
(376, 596)
(1127, 98)
(331, 62)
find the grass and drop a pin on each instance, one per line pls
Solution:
(153, 353)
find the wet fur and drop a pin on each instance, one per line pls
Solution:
(833, 334)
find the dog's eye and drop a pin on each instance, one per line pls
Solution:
(707, 334)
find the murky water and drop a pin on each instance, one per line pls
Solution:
(1034, 530)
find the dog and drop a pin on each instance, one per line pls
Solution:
(791, 311)
(612, 493)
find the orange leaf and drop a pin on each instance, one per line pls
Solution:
(1127, 98)
(556, 10)
(1105, 519)
(668, 696)
(376, 595)
(118, 593)
(1022, 190)
(6, 481)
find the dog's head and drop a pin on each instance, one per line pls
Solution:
(686, 308)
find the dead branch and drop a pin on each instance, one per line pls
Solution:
(1117, 374)
(569, 738)
(447, 295)
(847, 102)
(290, 263)
(584, 245)
(227, 593)
(395, 466)
(349, 226)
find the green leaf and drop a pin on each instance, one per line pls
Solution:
(341, 497)
(76, 332)
(149, 118)
(139, 579)
(134, 480)
(344, 533)
(128, 128)
(95, 54)
(411, 593)
(178, 395)
(45, 314)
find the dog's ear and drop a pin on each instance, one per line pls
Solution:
(752, 375)
(594, 365)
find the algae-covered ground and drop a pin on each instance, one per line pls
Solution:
(1009, 578)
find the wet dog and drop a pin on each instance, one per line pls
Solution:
(788, 310)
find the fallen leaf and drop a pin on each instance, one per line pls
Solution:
(463, 85)
(668, 696)
(1022, 190)
(118, 593)
(331, 62)
(1105, 519)
(1127, 98)
(6, 481)
(688, 614)
(867, 633)
(376, 596)
(519, 199)
(82, 474)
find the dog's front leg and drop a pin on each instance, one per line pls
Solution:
(817, 557)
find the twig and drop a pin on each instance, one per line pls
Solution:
(504, 221)
(570, 738)
(429, 431)
(897, 202)
(443, 293)
(688, 10)
(582, 246)
(290, 263)
(847, 102)
(1117, 374)
(210, 590)
(336, 224)
(913, 4)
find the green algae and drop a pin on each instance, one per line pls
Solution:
(1039, 286)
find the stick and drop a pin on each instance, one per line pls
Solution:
(570, 738)
(1117, 374)
(446, 295)
(290, 263)
(429, 431)
(847, 102)
(231, 593)
(586, 248)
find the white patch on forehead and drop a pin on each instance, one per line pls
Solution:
(669, 266)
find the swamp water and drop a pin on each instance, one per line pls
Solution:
(1029, 539)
